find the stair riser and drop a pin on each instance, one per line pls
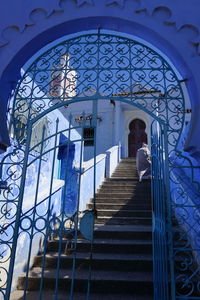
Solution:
(123, 235)
(128, 181)
(132, 185)
(139, 202)
(121, 213)
(113, 195)
(123, 196)
(119, 189)
(126, 202)
(63, 295)
(107, 248)
(125, 173)
(100, 286)
(120, 183)
(118, 235)
(109, 183)
(126, 168)
(113, 221)
(117, 207)
(109, 265)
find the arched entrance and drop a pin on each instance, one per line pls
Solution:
(89, 67)
(136, 137)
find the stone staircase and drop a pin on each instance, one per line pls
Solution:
(122, 249)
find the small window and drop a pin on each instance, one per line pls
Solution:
(88, 135)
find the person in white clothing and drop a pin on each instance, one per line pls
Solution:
(143, 162)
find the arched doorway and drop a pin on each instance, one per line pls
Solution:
(136, 137)
(95, 67)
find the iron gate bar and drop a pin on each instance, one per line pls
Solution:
(48, 213)
(94, 123)
(169, 215)
(159, 208)
(34, 213)
(61, 227)
(76, 216)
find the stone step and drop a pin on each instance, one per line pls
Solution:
(129, 232)
(123, 220)
(128, 180)
(109, 281)
(114, 181)
(113, 232)
(121, 185)
(136, 200)
(140, 204)
(123, 213)
(135, 185)
(106, 246)
(119, 207)
(63, 295)
(124, 188)
(123, 195)
(126, 167)
(116, 188)
(124, 176)
(105, 261)
(126, 171)
(122, 180)
(128, 159)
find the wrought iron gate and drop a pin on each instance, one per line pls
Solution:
(48, 204)
(162, 226)
(96, 66)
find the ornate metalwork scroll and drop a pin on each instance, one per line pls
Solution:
(102, 66)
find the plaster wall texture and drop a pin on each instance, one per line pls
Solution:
(106, 163)
(87, 179)
(171, 26)
(112, 159)
(105, 125)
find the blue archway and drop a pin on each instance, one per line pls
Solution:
(12, 73)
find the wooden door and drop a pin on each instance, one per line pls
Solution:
(136, 137)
